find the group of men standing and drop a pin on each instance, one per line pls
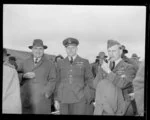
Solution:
(72, 83)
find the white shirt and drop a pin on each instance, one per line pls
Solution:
(38, 59)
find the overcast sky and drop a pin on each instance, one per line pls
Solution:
(91, 25)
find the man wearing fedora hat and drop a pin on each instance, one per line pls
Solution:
(39, 76)
(73, 82)
(100, 72)
(112, 95)
(12, 61)
(135, 60)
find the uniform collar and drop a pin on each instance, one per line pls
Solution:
(74, 57)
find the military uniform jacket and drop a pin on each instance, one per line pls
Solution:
(73, 80)
(121, 77)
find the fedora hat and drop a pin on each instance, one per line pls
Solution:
(38, 43)
(124, 49)
(102, 55)
(12, 58)
(134, 55)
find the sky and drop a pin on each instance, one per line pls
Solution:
(92, 25)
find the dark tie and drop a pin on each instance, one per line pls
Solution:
(36, 61)
(71, 61)
(112, 65)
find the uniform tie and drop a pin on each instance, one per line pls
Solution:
(112, 65)
(71, 61)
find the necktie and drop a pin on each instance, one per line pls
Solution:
(36, 60)
(112, 65)
(71, 61)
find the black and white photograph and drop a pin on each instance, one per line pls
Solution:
(74, 59)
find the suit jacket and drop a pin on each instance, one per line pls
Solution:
(11, 102)
(73, 80)
(34, 90)
(138, 84)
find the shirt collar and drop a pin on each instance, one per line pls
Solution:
(38, 59)
(74, 57)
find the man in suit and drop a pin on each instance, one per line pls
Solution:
(112, 94)
(101, 74)
(11, 88)
(74, 81)
(38, 79)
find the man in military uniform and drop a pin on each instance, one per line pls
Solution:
(11, 88)
(116, 85)
(38, 79)
(74, 81)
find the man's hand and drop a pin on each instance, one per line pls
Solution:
(29, 75)
(105, 67)
(57, 105)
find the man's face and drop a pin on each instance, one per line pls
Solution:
(114, 52)
(37, 51)
(71, 50)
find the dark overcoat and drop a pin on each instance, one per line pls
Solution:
(33, 90)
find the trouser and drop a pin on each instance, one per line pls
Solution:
(78, 108)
